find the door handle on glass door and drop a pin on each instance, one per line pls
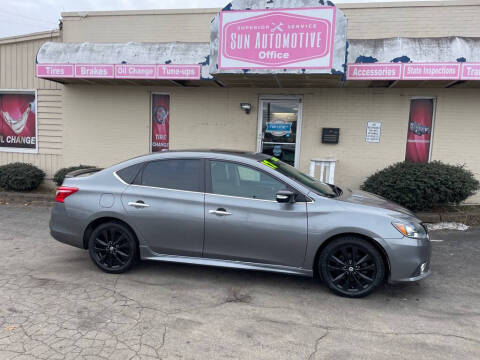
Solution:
(220, 212)
(138, 204)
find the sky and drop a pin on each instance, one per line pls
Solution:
(26, 16)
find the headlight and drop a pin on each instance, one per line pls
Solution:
(411, 230)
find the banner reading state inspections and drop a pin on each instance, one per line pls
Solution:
(18, 122)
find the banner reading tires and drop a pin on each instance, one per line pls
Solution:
(160, 122)
(18, 122)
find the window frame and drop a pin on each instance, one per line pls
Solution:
(139, 178)
(300, 197)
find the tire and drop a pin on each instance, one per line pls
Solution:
(112, 247)
(351, 267)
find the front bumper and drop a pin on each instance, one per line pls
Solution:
(409, 259)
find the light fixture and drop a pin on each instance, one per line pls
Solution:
(246, 107)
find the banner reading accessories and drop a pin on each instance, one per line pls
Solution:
(160, 122)
(18, 122)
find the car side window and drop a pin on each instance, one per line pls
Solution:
(178, 174)
(242, 181)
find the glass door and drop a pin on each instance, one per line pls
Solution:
(280, 127)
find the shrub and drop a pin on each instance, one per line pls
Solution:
(60, 174)
(20, 177)
(423, 186)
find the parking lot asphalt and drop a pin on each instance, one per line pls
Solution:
(55, 304)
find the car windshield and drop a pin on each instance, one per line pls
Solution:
(308, 181)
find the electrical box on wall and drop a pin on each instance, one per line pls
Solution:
(330, 135)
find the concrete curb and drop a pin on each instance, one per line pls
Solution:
(24, 198)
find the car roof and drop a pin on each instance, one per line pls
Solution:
(206, 152)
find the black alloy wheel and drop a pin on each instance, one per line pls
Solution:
(112, 247)
(351, 267)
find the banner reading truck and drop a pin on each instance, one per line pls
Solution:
(18, 122)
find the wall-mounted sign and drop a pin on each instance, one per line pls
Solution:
(470, 71)
(419, 130)
(120, 71)
(160, 122)
(277, 38)
(414, 71)
(374, 132)
(374, 71)
(18, 122)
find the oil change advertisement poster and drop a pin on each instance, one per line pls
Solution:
(18, 127)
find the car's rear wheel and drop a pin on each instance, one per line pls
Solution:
(351, 267)
(112, 247)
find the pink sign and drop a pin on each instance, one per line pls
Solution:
(135, 71)
(277, 38)
(431, 71)
(470, 71)
(179, 72)
(374, 71)
(55, 70)
(88, 71)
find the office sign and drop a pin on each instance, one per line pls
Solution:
(18, 122)
(277, 38)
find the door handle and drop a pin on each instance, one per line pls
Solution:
(220, 212)
(138, 204)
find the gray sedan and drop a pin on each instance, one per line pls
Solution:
(239, 210)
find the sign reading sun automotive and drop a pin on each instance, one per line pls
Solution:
(277, 38)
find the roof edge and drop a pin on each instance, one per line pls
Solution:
(359, 5)
(31, 36)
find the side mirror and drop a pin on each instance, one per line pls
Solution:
(285, 196)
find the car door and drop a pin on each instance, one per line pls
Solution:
(244, 222)
(166, 204)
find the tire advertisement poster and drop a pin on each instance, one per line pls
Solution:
(419, 130)
(160, 122)
(18, 122)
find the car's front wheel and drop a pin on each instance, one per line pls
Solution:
(351, 267)
(112, 247)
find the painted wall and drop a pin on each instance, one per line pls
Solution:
(407, 19)
(114, 122)
(17, 71)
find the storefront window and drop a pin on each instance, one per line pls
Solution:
(279, 126)
(420, 128)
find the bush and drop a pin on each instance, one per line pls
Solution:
(60, 174)
(20, 177)
(423, 186)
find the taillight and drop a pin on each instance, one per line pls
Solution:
(63, 192)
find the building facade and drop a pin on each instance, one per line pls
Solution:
(358, 86)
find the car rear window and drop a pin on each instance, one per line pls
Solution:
(179, 174)
(128, 174)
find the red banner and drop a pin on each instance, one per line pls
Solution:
(18, 131)
(160, 122)
(419, 130)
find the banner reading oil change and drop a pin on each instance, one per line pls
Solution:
(18, 122)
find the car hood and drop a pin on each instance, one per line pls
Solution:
(368, 199)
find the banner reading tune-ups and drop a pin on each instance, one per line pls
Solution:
(414, 71)
(18, 122)
(277, 38)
